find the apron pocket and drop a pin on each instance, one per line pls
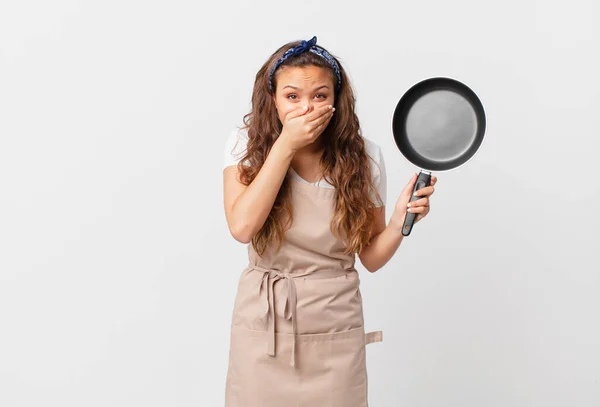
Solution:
(332, 369)
(255, 378)
(348, 379)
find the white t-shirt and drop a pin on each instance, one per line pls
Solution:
(235, 147)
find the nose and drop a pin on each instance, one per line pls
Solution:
(307, 100)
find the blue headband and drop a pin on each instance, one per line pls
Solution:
(315, 49)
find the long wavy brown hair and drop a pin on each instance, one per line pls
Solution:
(344, 161)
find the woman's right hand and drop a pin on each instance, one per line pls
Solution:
(301, 129)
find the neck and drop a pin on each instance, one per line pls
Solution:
(312, 149)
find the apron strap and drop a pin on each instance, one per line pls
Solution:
(374, 336)
(269, 278)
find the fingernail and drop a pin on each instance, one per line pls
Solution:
(408, 205)
(415, 194)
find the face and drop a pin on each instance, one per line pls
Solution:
(310, 86)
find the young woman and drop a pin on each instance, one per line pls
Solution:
(308, 192)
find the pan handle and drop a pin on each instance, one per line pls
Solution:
(422, 182)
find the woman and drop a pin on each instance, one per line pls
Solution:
(307, 193)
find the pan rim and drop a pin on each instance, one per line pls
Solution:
(432, 78)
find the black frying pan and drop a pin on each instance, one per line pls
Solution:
(438, 125)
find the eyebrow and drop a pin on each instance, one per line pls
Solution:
(295, 87)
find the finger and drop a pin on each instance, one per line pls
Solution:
(299, 111)
(433, 180)
(420, 216)
(420, 210)
(317, 113)
(320, 127)
(408, 189)
(416, 209)
(321, 119)
(424, 191)
(418, 202)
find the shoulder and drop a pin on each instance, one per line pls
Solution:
(238, 137)
(371, 147)
(375, 153)
(235, 146)
(377, 166)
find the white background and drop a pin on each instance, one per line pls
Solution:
(117, 270)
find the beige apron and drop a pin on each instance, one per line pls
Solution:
(297, 331)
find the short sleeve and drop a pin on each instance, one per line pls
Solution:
(382, 186)
(235, 147)
(378, 172)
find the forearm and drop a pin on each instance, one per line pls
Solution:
(253, 206)
(383, 246)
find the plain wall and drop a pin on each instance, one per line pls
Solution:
(117, 270)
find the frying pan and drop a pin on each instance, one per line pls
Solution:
(438, 125)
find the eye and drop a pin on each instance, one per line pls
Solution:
(288, 96)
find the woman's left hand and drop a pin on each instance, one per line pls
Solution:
(421, 206)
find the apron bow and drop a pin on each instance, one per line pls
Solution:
(266, 291)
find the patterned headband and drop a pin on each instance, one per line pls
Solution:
(315, 49)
